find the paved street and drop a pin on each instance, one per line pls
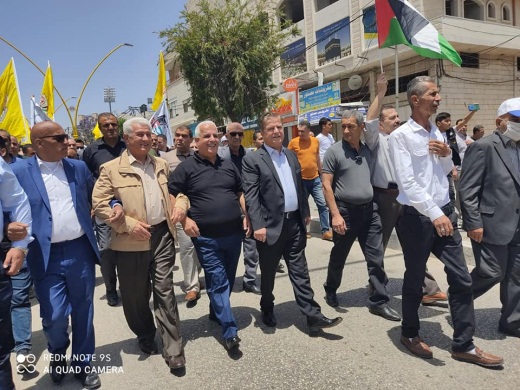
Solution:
(362, 352)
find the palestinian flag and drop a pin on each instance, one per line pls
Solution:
(399, 22)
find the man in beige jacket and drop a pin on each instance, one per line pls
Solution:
(143, 240)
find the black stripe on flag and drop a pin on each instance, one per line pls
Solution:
(410, 20)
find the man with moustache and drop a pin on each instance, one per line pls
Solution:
(490, 200)
(64, 252)
(143, 240)
(381, 121)
(422, 161)
(102, 150)
(279, 211)
(214, 222)
(189, 261)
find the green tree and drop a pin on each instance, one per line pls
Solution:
(227, 54)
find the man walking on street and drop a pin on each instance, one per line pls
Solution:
(422, 161)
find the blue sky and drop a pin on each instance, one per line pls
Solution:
(74, 36)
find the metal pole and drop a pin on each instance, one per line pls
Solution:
(396, 79)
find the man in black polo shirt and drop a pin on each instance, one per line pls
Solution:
(349, 196)
(214, 221)
(99, 152)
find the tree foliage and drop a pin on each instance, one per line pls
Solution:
(227, 54)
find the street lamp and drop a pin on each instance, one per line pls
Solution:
(110, 97)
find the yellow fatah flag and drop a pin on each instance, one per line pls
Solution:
(161, 85)
(96, 132)
(12, 118)
(47, 96)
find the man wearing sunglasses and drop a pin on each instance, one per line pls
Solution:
(64, 252)
(103, 150)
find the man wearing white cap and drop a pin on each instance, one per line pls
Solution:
(490, 200)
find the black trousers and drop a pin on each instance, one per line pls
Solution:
(364, 224)
(419, 239)
(291, 245)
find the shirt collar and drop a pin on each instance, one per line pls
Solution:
(417, 127)
(271, 150)
(132, 159)
(48, 164)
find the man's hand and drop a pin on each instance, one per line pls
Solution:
(443, 226)
(382, 84)
(260, 235)
(455, 173)
(247, 226)
(476, 234)
(141, 232)
(338, 224)
(307, 220)
(469, 142)
(190, 227)
(17, 231)
(177, 215)
(439, 148)
(118, 214)
(13, 261)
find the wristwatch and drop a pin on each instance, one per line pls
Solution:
(24, 250)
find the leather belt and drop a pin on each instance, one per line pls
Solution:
(291, 214)
(347, 205)
(154, 228)
(386, 190)
(447, 209)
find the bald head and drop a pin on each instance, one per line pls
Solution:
(49, 140)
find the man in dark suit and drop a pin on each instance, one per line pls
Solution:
(278, 208)
(490, 188)
(64, 252)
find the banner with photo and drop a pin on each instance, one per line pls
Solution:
(370, 27)
(334, 42)
(293, 59)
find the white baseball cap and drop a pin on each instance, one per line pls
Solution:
(223, 139)
(510, 106)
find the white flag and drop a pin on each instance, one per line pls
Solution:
(160, 122)
(37, 113)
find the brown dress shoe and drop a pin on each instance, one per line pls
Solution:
(481, 358)
(417, 347)
(192, 296)
(437, 297)
(327, 236)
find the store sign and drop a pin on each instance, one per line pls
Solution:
(318, 98)
(314, 116)
(290, 85)
(285, 104)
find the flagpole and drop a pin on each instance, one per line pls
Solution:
(396, 79)
(380, 60)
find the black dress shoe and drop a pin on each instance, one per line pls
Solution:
(280, 268)
(149, 347)
(89, 380)
(385, 312)
(176, 362)
(331, 298)
(112, 298)
(251, 288)
(269, 319)
(315, 323)
(57, 368)
(509, 332)
(232, 342)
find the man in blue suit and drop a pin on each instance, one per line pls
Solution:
(64, 252)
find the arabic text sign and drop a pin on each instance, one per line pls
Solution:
(320, 97)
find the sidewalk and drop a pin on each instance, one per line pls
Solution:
(363, 352)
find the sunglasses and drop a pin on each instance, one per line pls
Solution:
(57, 138)
(234, 134)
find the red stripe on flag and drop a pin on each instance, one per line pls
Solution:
(384, 15)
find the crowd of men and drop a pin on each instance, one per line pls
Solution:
(124, 202)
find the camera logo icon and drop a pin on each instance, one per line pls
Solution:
(25, 363)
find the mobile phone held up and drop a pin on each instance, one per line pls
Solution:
(474, 107)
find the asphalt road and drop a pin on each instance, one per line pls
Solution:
(363, 352)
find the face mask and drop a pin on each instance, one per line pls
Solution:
(513, 131)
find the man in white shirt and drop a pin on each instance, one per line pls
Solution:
(325, 138)
(422, 161)
(381, 121)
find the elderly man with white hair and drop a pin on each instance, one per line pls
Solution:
(143, 240)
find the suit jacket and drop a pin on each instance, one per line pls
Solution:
(81, 184)
(264, 194)
(490, 189)
(225, 153)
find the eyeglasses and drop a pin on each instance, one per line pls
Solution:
(234, 134)
(57, 138)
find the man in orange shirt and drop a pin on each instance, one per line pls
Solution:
(307, 149)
